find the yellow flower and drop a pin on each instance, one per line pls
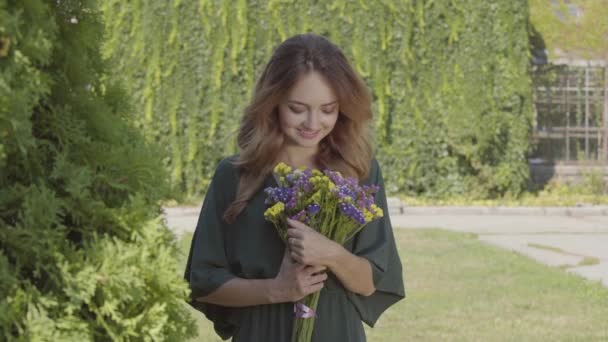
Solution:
(368, 215)
(316, 172)
(316, 197)
(378, 212)
(282, 169)
(320, 182)
(316, 181)
(274, 211)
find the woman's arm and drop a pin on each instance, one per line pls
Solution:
(293, 282)
(354, 272)
(310, 247)
(239, 292)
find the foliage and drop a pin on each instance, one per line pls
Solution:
(576, 27)
(83, 255)
(592, 189)
(450, 81)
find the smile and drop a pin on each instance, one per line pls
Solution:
(308, 134)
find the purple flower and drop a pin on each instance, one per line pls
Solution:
(313, 208)
(300, 216)
(278, 194)
(334, 177)
(344, 191)
(350, 211)
(303, 181)
(291, 178)
(293, 199)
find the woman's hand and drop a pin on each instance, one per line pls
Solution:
(310, 247)
(295, 281)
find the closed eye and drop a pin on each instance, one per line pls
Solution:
(299, 111)
(331, 111)
(295, 110)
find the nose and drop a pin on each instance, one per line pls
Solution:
(312, 121)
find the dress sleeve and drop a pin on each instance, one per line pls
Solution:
(376, 243)
(207, 266)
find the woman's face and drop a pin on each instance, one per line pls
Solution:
(309, 112)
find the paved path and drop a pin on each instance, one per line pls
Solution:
(561, 241)
(561, 237)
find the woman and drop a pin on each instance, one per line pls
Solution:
(309, 109)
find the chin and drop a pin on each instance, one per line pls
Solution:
(307, 143)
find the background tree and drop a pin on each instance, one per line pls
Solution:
(83, 254)
(577, 28)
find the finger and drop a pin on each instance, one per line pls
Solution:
(297, 251)
(317, 278)
(315, 269)
(292, 232)
(291, 259)
(298, 259)
(313, 288)
(295, 242)
(297, 224)
(294, 223)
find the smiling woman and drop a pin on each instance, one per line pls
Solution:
(309, 109)
(308, 120)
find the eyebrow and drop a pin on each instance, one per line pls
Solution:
(304, 104)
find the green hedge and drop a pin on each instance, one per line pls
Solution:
(83, 255)
(450, 80)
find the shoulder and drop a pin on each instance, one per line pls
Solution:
(375, 166)
(374, 171)
(227, 163)
(225, 169)
(224, 180)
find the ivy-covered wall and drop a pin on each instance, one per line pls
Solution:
(450, 80)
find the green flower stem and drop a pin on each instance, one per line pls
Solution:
(303, 327)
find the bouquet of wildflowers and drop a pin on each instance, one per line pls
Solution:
(335, 206)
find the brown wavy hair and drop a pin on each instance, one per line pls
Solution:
(347, 148)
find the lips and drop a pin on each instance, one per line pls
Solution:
(308, 134)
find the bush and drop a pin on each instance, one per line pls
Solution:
(83, 253)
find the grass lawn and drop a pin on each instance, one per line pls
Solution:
(460, 289)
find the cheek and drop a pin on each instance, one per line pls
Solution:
(286, 121)
(330, 122)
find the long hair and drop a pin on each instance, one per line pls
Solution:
(347, 148)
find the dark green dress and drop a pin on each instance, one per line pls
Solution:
(250, 248)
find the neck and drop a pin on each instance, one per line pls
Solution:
(297, 156)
